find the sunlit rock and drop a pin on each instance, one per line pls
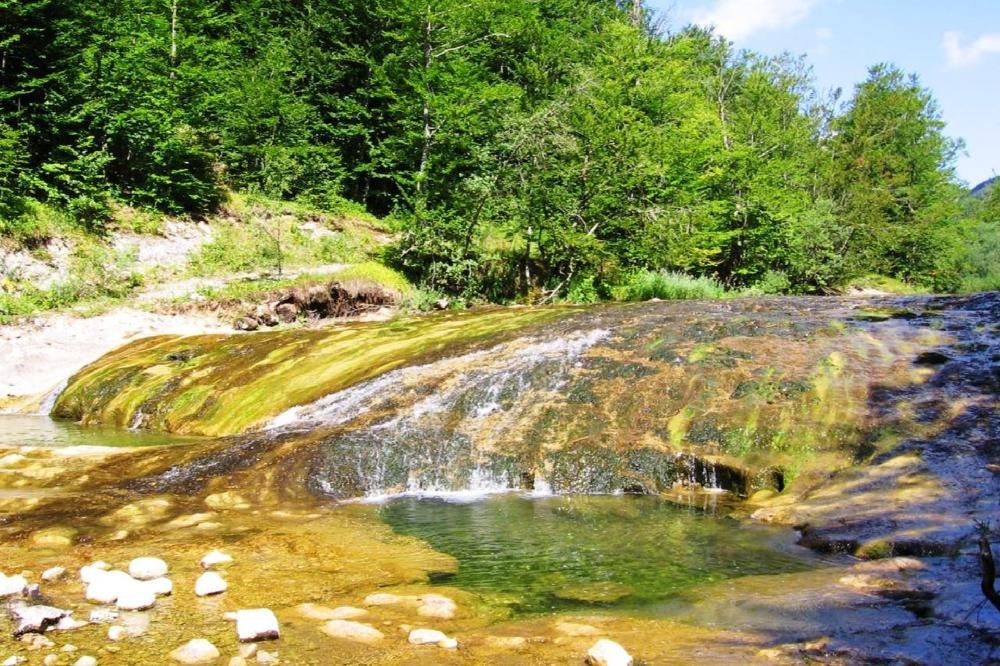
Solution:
(256, 624)
(106, 586)
(34, 619)
(69, 624)
(86, 660)
(265, 657)
(352, 631)
(137, 514)
(161, 587)
(53, 574)
(228, 500)
(36, 642)
(190, 520)
(103, 615)
(215, 558)
(147, 568)
(116, 632)
(136, 596)
(608, 653)
(12, 585)
(437, 606)
(13, 660)
(317, 612)
(431, 637)
(209, 583)
(507, 642)
(90, 572)
(197, 651)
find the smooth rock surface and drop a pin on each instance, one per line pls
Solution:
(147, 568)
(215, 558)
(209, 583)
(197, 651)
(352, 631)
(34, 619)
(161, 587)
(106, 586)
(12, 585)
(256, 624)
(608, 653)
(431, 637)
(135, 597)
(437, 606)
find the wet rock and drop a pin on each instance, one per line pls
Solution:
(286, 312)
(85, 660)
(931, 358)
(352, 631)
(53, 574)
(36, 642)
(197, 651)
(507, 642)
(34, 619)
(12, 585)
(68, 648)
(13, 661)
(608, 653)
(577, 629)
(431, 637)
(210, 583)
(256, 624)
(265, 657)
(190, 520)
(51, 659)
(69, 624)
(215, 558)
(226, 501)
(237, 661)
(55, 537)
(147, 568)
(437, 606)
(384, 599)
(248, 650)
(137, 514)
(316, 612)
(116, 632)
(247, 323)
(103, 615)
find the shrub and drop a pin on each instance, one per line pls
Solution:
(667, 285)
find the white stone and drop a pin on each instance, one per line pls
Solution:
(256, 624)
(91, 571)
(352, 631)
(13, 661)
(382, 599)
(248, 650)
(608, 653)
(317, 612)
(105, 586)
(147, 568)
(437, 606)
(12, 585)
(264, 657)
(36, 642)
(34, 619)
(209, 583)
(197, 651)
(116, 632)
(161, 587)
(103, 615)
(215, 558)
(86, 660)
(69, 624)
(51, 660)
(432, 637)
(68, 648)
(136, 596)
(237, 661)
(55, 573)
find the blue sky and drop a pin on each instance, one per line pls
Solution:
(954, 47)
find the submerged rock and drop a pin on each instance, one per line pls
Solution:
(147, 568)
(437, 606)
(352, 631)
(608, 653)
(215, 558)
(256, 624)
(317, 612)
(210, 583)
(197, 651)
(432, 637)
(577, 629)
(54, 537)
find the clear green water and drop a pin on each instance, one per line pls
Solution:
(558, 553)
(23, 430)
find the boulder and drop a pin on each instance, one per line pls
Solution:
(286, 312)
(352, 631)
(608, 653)
(147, 568)
(209, 583)
(136, 596)
(431, 637)
(197, 651)
(256, 624)
(106, 586)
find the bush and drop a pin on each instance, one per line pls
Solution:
(667, 285)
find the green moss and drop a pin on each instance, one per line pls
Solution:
(220, 385)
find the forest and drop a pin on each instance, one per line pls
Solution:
(521, 149)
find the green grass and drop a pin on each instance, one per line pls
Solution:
(668, 286)
(886, 284)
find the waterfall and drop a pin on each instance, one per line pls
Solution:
(45, 408)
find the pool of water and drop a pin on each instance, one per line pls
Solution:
(43, 431)
(559, 553)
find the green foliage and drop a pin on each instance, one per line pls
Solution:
(667, 286)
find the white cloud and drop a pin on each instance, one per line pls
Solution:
(965, 56)
(738, 19)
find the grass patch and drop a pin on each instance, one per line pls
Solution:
(886, 284)
(668, 286)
